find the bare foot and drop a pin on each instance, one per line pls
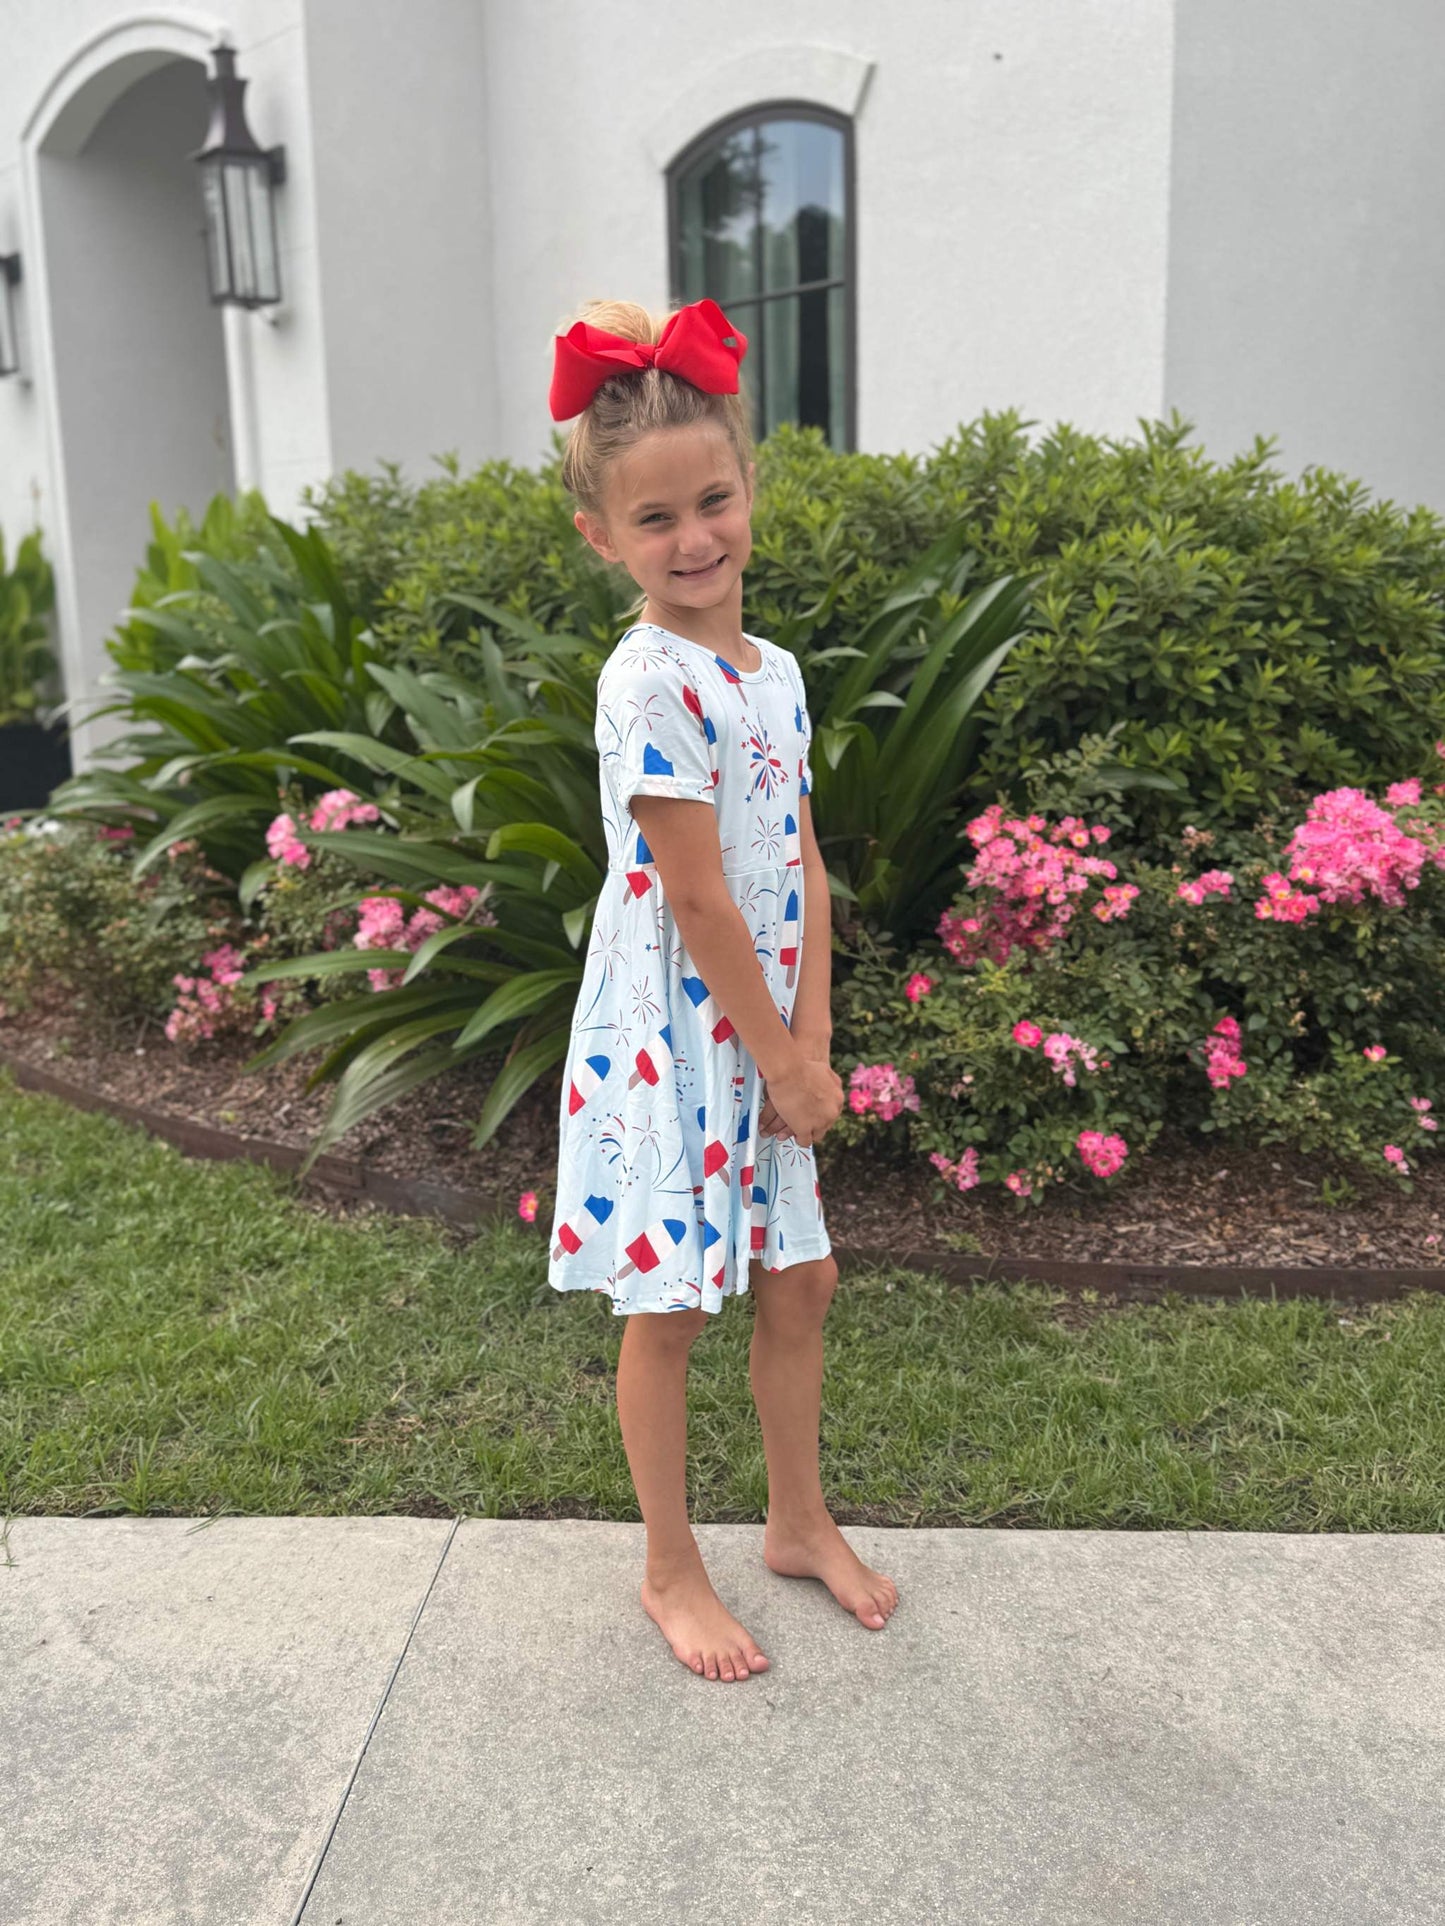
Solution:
(819, 1550)
(697, 1625)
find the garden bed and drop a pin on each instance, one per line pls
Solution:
(1182, 1205)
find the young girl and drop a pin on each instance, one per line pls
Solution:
(697, 1078)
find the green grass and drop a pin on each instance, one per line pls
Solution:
(188, 1338)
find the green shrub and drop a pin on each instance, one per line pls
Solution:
(27, 596)
(74, 916)
(1336, 1018)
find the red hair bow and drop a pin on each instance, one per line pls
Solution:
(699, 343)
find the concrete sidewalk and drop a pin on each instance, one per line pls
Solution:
(370, 1721)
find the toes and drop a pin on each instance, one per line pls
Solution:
(757, 1662)
(710, 1665)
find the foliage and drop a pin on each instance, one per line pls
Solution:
(74, 915)
(27, 597)
(221, 698)
(1145, 1010)
(470, 810)
(1258, 639)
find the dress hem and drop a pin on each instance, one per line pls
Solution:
(596, 1283)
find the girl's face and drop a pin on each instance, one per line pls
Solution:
(678, 518)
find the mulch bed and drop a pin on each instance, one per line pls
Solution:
(1180, 1205)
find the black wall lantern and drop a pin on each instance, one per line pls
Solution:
(9, 345)
(237, 177)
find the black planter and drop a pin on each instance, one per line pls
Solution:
(33, 760)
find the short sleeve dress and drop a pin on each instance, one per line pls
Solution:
(665, 1190)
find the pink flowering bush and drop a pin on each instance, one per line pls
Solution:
(383, 924)
(1285, 994)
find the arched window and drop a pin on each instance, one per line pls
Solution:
(760, 218)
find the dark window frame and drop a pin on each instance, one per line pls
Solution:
(711, 136)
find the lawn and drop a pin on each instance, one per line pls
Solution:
(190, 1339)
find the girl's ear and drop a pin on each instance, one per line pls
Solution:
(595, 535)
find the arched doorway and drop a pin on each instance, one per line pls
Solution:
(131, 357)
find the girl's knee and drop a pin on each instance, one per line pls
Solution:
(798, 1293)
(668, 1327)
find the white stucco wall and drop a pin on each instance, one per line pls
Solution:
(404, 227)
(1090, 210)
(1012, 179)
(1307, 251)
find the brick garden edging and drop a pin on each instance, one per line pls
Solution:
(417, 1196)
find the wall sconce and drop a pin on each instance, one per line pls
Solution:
(9, 345)
(237, 178)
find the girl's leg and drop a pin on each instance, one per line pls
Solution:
(652, 1411)
(786, 1363)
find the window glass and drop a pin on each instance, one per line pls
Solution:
(762, 229)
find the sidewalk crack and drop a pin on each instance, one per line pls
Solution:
(375, 1721)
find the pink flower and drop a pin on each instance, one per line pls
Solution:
(339, 808)
(1212, 882)
(1032, 878)
(1018, 1183)
(963, 1174)
(1060, 1048)
(880, 1088)
(1397, 1157)
(1222, 1057)
(918, 985)
(1375, 1052)
(283, 844)
(1400, 793)
(1103, 1155)
(382, 924)
(1028, 1034)
(112, 833)
(527, 1206)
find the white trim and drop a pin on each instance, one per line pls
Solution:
(85, 85)
(794, 70)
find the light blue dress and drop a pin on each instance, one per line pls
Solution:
(665, 1190)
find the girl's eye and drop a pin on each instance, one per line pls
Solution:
(719, 496)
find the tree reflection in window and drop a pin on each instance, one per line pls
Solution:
(760, 222)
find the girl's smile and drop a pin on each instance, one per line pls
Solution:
(710, 569)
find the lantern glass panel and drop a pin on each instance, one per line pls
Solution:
(217, 264)
(238, 229)
(263, 232)
(9, 350)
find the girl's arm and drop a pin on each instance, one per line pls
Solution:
(813, 1007)
(682, 836)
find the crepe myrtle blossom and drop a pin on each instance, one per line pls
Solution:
(963, 1174)
(879, 1087)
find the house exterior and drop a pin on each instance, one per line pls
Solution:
(1092, 210)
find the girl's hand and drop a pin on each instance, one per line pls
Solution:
(770, 1122)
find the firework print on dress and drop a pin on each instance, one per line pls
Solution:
(665, 1190)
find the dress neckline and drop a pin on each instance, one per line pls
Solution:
(743, 675)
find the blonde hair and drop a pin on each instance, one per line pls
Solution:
(634, 402)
